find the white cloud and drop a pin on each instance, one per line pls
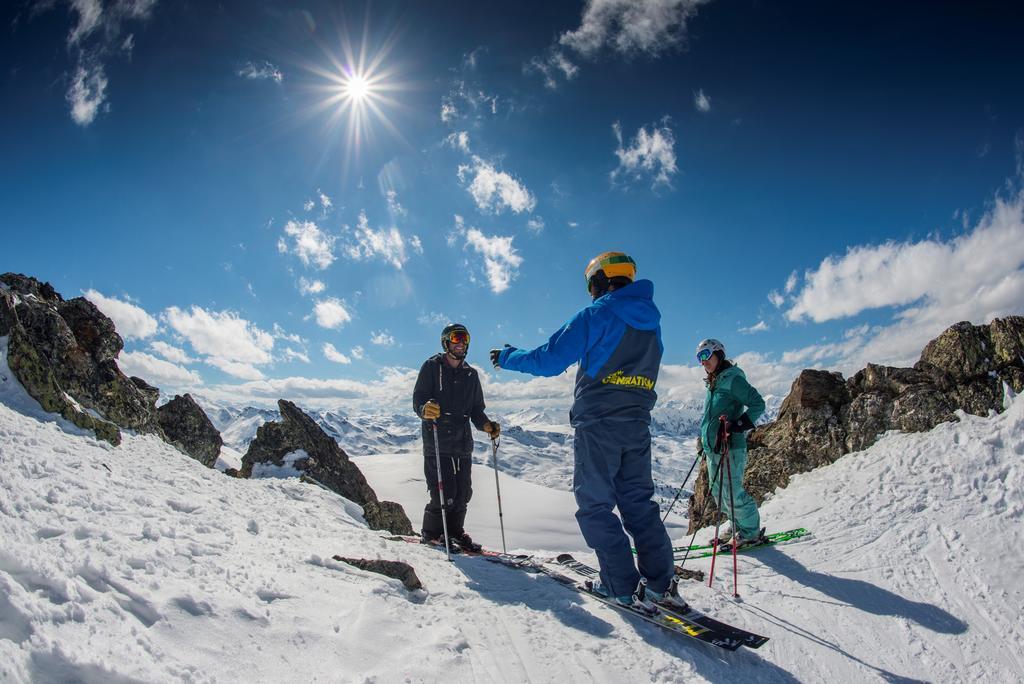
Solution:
(969, 273)
(416, 244)
(171, 353)
(776, 299)
(553, 66)
(760, 326)
(332, 354)
(131, 321)
(308, 205)
(382, 339)
(87, 93)
(701, 101)
(791, 282)
(631, 26)
(357, 352)
(325, 201)
(261, 72)
(459, 140)
(432, 319)
(313, 246)
(308, 287)
(242, 371)
(386, 243)
(574, 224)
(221, 335)
(281, 334)
(501, 262)
(651, 153)
(394, 207)
(493, 190)
(467, 100)
(96, 36)
(448, 112)
(331, 313)
(535, 224)
(157, 372)
(295, 355)
(931, 283)
(389, 391)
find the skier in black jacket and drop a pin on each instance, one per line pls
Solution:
(448, 396)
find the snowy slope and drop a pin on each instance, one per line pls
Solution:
(136, 563)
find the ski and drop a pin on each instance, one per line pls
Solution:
(693, 624)
(668, 620)
(706, 550)
(692, 616)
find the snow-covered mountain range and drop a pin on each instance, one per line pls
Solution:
(536, 443)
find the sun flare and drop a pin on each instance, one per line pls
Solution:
(357, 88)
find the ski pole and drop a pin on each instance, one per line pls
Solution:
(718, 518)
(700, 516)
(440, 494)
(718, 522)
(680, 490)
(497, 488)
(732, 516)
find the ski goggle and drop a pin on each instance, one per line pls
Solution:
(458, 337)
(704, 354)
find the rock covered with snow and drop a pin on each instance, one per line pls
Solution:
(825, 416)
(322, 461)
(188, 428)
(64, 354)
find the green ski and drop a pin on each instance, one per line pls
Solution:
(705, 550)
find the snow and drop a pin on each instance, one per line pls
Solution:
(136, 563)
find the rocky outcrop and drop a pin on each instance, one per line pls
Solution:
(324, 462)
(825, 416)
(188, 428)
(64, 354)
(394, 569)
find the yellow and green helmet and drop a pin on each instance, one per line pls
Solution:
(612, 264)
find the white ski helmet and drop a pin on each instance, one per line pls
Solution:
(708, 347)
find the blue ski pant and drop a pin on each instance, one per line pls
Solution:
(745, 518)
(613, 470)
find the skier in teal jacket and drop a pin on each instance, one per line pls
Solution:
(730, 395)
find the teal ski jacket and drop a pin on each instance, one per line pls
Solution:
(732, 395)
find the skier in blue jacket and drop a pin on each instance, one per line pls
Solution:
(617, 342)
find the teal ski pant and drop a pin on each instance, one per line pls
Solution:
(613, 470)
(745, 518)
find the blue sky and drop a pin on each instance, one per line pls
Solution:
(816, 185)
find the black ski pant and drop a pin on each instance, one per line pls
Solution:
(456, 474)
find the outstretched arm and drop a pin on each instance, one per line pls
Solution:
(562, 349)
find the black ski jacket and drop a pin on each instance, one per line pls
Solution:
(458, 392)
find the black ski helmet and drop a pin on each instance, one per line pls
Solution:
(449, 329)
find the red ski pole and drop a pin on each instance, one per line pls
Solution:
(718, 515)
(732, 508)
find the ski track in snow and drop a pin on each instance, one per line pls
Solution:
(136, 563)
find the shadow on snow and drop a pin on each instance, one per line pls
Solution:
(510, 586)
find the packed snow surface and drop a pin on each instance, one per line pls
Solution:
(136, 563)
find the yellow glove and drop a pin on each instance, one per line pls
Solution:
(431, 410)
(492, 428)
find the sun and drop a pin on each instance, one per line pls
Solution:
(357, 89)
(358, 92)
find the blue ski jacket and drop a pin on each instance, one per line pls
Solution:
(617, 342)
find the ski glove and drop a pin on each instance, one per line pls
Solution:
(492, 428)
(495, 353)
(732, 427)
(431, 410)
(741, 424)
